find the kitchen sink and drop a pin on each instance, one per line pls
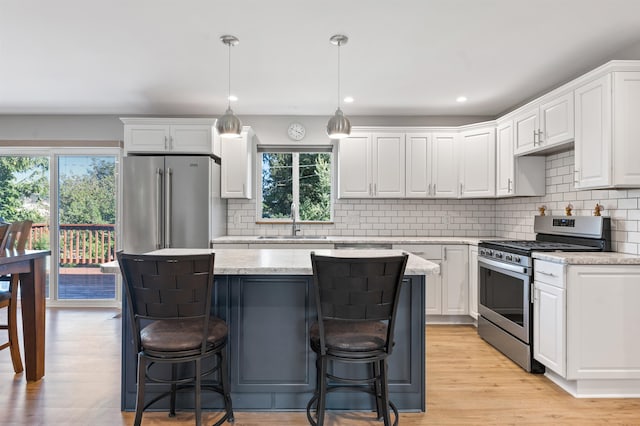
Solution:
(292, 237)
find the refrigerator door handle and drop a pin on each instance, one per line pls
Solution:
(168, 212)
(158, 208)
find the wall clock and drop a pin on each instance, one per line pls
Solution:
(296, 131)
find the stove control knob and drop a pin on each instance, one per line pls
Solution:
(499, 255)
(483, 251)
(516, 259)
(508, 257)
(490, 252)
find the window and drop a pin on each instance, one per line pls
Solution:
(300, 177)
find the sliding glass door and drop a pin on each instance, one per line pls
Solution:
(71, 196)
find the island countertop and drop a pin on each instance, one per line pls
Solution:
(283, 261)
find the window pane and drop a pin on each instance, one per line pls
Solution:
(87, 215)
(277, 185)
(315, 186)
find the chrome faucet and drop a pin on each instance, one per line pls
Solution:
(295, 228)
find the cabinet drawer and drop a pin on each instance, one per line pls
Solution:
(426, 251)
(549, 273)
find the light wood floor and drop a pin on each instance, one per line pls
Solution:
(468, 383)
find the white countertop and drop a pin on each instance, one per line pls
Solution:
(254, 239)
(282, 261)
(588, 258)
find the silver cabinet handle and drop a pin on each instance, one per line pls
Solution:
(576, 176)
(535, 133)
(166, 143)
(549, 274)
(170, 143)
(168, 212)
(375, 189)
(509, 185)
(461, 187)
(445, 254)
(159, 205)
(434, 189)
(429, 190)
(540, 133)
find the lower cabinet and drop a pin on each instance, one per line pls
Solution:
(447, 293)
(473, 282)
(584, 327)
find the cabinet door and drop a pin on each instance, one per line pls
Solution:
(505, 162)
(418, 174)
(236, 167)
(478, 163)
(525, 128)
(549, 327)
(556, 120)
(626, 128)
(147, 138)
(455, 287)
(388, 165)
(191, 138)
(473, 281)
(354, 166)
(445, 165)
(433, 295)
(593, 134)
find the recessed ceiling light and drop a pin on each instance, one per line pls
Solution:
(233, 98)
(461, 99)
(349, 99)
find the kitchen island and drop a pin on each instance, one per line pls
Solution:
(265, 296)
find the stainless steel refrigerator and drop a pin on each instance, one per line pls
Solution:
(171, 202)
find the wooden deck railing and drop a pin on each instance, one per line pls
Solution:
(83, 244)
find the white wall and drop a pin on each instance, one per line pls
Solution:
(61, 127)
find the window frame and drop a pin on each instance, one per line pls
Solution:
(295, 165)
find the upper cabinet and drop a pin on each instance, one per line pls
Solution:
(516, 176)
(544, 125)
(477, 162)
(372, 165)
(607, 125)
(431, 165)
(169, 135)
(237, 165)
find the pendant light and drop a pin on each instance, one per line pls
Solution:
(339, 126)
(229, 126)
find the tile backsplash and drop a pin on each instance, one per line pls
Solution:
(510, 217)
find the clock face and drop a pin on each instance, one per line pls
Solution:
(296, 131)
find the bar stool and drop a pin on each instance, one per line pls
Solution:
(14, 237)
(356, 302)
(169, 302)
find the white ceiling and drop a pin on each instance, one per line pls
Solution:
(404, 57)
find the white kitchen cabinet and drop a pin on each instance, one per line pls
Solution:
(549, 316)
(516, 176)
(164, 135)
(477, 162)
(431, 165)
(237, 164)
(445, 165)
(544, 125)
(606, 148)
(473, 282)
(448, 292)
(582, 332)
(372, 165)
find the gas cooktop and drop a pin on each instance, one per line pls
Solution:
(532, 245)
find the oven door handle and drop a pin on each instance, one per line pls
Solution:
(504, 266)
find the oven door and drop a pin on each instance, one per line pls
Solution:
(503, 296)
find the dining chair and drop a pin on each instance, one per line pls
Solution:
(356, 303)
(15, 238)
(169, 301)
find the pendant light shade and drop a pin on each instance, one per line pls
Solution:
(338, 126)
(229, 126)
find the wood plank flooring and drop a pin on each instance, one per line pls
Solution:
(468, 383)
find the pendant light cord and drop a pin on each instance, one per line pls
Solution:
(229, 81)
(339, 44)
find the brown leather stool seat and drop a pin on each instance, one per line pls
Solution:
(183, 335)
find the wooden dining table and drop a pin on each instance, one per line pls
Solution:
(31, 266)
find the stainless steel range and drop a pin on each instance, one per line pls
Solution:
(505, 271)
